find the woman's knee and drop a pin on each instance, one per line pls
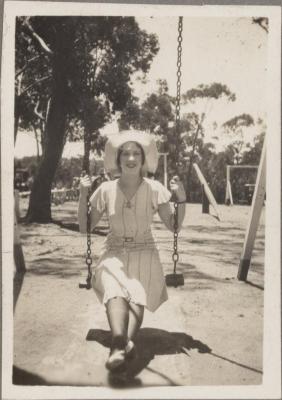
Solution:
(117, 303)
(137, 310)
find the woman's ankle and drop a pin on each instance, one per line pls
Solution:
(119, 342)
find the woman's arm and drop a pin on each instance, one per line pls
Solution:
(166, 212)
(95, 216)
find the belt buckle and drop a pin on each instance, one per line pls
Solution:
(128, 239)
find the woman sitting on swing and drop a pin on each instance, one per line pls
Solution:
(129, 275)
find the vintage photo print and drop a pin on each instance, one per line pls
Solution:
(141, 187)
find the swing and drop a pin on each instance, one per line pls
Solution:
(88, 259)
(173, 279)
(176, 279)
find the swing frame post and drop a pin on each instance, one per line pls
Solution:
(228, 188)
(207, 190)
(205, 202)
(257, 204)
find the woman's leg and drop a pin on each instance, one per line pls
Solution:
(118, 317)
(136, 314)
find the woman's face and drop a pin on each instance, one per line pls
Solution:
(131, 158)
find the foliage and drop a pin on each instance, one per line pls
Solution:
(88, 66)
(213, 91)
(157, 115)
(235, 128)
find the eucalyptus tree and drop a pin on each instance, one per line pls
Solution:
(90, 61)
(206, 94)
(235, 128)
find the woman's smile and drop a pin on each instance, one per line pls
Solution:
(131, 157)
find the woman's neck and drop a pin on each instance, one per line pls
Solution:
(130, 180)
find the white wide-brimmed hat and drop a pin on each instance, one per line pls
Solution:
(145, 140)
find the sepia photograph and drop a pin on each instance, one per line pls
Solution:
(140, 191)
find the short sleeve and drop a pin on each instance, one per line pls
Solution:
(98, 198)
(160, 194)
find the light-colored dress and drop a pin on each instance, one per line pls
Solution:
(129, 265)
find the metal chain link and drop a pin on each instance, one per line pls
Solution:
(175, 255)
(88, 258)
(178, 74)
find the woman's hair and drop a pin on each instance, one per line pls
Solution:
(119, 151)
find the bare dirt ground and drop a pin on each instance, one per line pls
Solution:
(210, 332)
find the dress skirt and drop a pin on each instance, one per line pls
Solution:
(129, 265)
(132, 272)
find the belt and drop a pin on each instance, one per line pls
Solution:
(128, 239)
(129, 242)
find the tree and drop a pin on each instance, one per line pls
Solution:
(91, 61)
(235, 128)
(32, 77)
(252, 154)
(157, 115)
(206, 94)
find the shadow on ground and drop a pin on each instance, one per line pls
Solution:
(22, 377)
(151, 342)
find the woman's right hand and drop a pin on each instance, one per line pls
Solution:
(85, 185)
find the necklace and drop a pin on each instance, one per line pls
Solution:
(128, 201)
(128, 204)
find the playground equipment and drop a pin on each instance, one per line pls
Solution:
(173, 279)
(207, 191)
(257, 204)
(228, 190)
(176, 279)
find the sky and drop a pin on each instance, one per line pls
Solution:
(232, 51)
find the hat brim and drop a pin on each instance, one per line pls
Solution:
(145, 140)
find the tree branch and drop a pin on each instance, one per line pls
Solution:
(36, 112)
(26, 66)
(35, 83)
(39, 39)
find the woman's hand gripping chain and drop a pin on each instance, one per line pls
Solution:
(85, 185)
(177, 188)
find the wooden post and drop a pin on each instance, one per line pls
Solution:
(230, 194)
(205, 202)
(18, 252)
(17, 203)
(228, 186)
(257, 204)
(165, 168)
(228, 189)
(207, 190)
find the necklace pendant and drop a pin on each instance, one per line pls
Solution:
(128, 204)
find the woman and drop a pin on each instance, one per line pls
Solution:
(129, 275)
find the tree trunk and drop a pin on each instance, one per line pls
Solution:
(192, 155)
(86, 157)
(39, 209)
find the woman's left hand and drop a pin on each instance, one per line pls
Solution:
(177, 188)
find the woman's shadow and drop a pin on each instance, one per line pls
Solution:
(151, 342)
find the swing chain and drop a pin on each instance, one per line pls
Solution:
(88, 258)
(88, 250)
(175, 255)
(178, 74)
